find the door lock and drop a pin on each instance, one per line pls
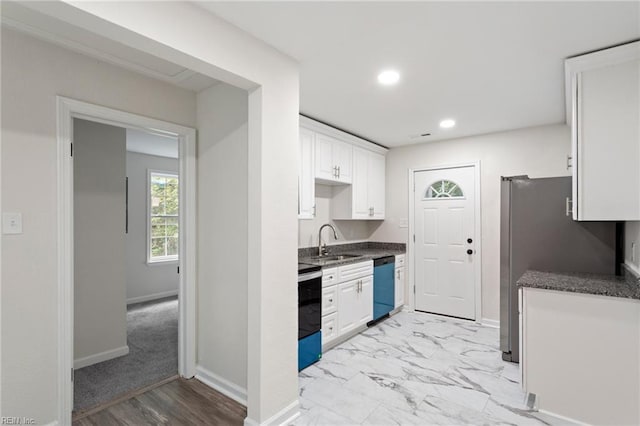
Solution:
(469, 251)
(469, 240)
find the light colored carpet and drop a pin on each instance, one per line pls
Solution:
(152, 336)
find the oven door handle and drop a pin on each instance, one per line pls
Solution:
(309, 276)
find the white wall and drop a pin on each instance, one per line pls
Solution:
(347, 230)
(100, 316)
(33, 73)
(537, 151)
(223, 233)
(145, 281)
(632, 235)
(273, 83)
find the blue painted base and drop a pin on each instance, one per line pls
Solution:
(309, 350)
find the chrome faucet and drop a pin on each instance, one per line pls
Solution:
(323, 250)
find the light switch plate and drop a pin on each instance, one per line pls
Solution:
(11, 223)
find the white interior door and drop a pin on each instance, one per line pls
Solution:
(445, 241)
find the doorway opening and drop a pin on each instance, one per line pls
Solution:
(445, 240)
(152, 336)
(126, 254)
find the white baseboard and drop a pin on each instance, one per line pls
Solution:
(564, 418)
(632, 268)
(223, 386)
(100, 357)
(283, 417)
(490, 323)
(154, 296)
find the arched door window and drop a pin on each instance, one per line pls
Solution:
(444, 189)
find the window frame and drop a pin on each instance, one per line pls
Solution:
(457, 197)
(160, 259)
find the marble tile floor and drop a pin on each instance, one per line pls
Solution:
(416, 369)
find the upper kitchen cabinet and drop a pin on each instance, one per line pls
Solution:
(354, 167)
(604, 107)
(365, 197)
(333, 160)
(306, 175)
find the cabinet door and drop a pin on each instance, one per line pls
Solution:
(325, 167)
(329, 328)
(342, 157)
(607, 143)
(365, 301)
(376, 185)
(348, 306)
(306, 175)
(399, 288)
(359, 187)
(329, 300)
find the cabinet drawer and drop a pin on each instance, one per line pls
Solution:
(400, 260)
(329, 300)
(356, 270)
(329, 328)
(329, 276)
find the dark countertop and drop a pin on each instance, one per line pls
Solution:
(364, 251)
(627, 286)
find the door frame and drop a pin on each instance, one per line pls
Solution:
(478, 225)
(67, 110)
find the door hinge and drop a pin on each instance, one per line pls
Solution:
(414, 289)
(72, 374)
(414, 238)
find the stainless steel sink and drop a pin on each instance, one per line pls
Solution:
(330, 258)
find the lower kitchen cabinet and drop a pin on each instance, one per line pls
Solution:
(329, 328)
(399, 281)
(347, 300)
(355, 304)
(580, 355)
(399, 288)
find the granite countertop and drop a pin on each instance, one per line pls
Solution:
(363, 251)
(627, 286)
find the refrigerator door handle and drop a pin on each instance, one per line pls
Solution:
(569, 206)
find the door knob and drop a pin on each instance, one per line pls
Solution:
(469, 240)
(469, 251)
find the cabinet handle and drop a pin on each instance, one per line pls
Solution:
(314, 210)
(569, 206)
(338, 172)
(569, 162)
(371, 211)
(331, 300)
(335, 171)
(398, 273)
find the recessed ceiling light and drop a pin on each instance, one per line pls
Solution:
(388, 77)
(448, 123)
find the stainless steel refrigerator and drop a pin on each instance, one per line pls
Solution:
(537, 232)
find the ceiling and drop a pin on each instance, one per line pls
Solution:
(491, 66)
(24, 19)
(152, 144)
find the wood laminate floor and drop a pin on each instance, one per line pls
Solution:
(178, 402)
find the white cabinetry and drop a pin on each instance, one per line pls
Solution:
(347, 300)
(580, 355)
(399, 281)
(355, 304)
(306, 175)
(333, 160)
(365, 198)
(605, 120)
